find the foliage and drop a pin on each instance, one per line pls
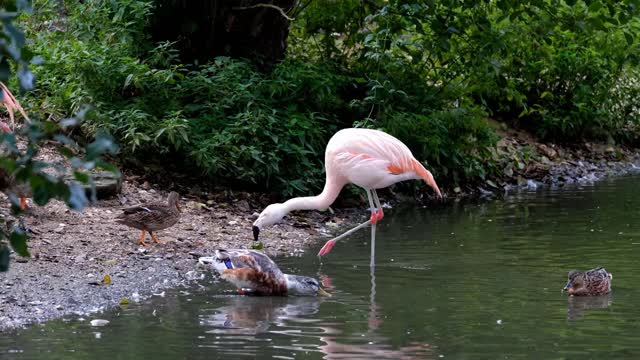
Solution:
(26, 169)
(562, 81)
(554, 65)
(19, 162)
(428, 72)
(448, 140)
(232, 123)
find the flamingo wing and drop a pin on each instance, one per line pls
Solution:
(371, 159)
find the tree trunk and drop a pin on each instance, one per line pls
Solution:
(205, 29)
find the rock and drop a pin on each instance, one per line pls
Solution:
(193, 275)
(547, 151)
(243, 205)
(99, 322)
(107, 184)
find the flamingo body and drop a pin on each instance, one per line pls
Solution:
(369, 158)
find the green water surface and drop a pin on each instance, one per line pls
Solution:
(478, 280)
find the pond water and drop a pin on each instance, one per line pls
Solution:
(478, 280)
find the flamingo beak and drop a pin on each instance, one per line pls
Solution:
(256, 233)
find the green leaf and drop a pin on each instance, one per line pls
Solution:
(4, 258)
(81, 177)
(77, 197)
(629, 38)
(18, 240)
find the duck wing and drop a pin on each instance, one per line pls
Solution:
(153, 216)
(144, 209)
(598, 281)
(251, 269)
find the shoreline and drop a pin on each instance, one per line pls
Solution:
(72, 252)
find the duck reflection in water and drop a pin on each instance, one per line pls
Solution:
(578, 306)
(255, 315)
(296, 317)
(247, 315)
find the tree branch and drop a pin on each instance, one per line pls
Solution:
(280, 10)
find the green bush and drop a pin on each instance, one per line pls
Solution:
(560, 80)
(427, 72)
(224, 120)
(454, 143)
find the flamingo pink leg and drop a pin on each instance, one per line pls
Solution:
(327, 247)
(373, 207)
(373, 219)
(378, 213)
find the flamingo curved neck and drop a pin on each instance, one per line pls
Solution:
(319, 202)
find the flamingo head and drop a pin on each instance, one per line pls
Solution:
(270, 215)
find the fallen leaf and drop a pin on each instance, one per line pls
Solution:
(491, 183)
(124, 301)
(106, 280)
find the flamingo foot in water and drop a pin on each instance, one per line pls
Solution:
(327, 247)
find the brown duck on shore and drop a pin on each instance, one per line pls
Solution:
(8, 185)
(589, 283)
(8, 182)
(152, 217)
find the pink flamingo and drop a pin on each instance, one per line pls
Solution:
(368, 158)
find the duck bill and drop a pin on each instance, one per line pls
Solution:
(322, 292)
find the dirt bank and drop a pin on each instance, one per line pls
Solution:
(523, 162)
(71, 252)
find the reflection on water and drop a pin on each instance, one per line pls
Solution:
(578, 306)
(464, 281)
(254, 315)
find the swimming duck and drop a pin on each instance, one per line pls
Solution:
(255, 271)
(589, 283)
(152, 217)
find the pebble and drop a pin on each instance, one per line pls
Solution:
(99, 322)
